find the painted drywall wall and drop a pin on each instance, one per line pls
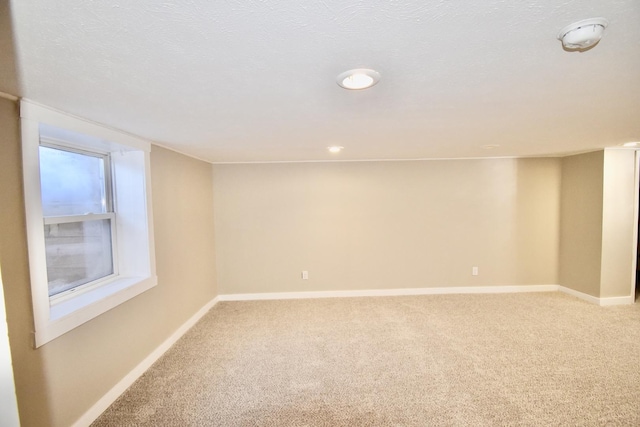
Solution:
(61, 380)
(597, 239)
(9, 81)
(184, 229)
(380, 225)
(618, 238)
(581, 222)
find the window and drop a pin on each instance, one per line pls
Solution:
(87, 199)
(78, 214)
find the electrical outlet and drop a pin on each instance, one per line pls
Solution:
(474, 271)
(305, 275)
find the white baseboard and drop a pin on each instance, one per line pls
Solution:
(101, 405)
(603, 302)
(578, 294)
(390, 292)
(617, 301)
(429, 291)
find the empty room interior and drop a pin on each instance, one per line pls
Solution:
(319, 213)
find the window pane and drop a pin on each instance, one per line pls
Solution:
(72, 183)
(77, 253)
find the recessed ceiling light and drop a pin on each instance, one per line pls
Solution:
(631, 144)
(360, 78)
(582, 34)
(490, 146)
(335, 149)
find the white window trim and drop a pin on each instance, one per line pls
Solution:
(135, 252)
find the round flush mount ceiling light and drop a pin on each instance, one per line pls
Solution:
(359, 78)
(631, 144)
(335, 149)
(582, 34)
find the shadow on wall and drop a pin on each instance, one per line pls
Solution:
(9, 78)
(30, 379)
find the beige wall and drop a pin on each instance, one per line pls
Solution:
(59, 381)
(379, 225)
(581, 222)
(370, 225)
(618, 239)
(597, 239)
(8, 63)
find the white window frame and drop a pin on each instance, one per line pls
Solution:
(109, 214)
(134, 251)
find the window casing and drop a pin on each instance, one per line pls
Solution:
(89, 219)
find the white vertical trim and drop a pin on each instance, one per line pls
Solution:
(105, 401)
(8, 399)
(148, 205)
(33, 212)
(636, 203)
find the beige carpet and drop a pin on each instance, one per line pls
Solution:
(453, 360)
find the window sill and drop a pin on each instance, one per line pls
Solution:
(72, 311)
(84, 300)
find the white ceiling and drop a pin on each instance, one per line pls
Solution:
(236, 81)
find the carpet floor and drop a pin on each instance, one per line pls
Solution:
(446, 360)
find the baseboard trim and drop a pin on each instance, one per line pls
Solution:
(105, 401)
(578, 294)
(389, 292)
(603, 302)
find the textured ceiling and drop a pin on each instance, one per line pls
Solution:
(234, 81)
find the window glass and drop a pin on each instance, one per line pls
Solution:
(71, 183)
(77, 253)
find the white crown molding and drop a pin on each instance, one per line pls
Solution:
(425, 159)
(9, 96)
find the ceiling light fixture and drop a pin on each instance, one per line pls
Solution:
(335, 149)
(359, 78)
(631, 144)
(584, 34)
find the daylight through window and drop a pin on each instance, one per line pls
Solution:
(78, 217)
